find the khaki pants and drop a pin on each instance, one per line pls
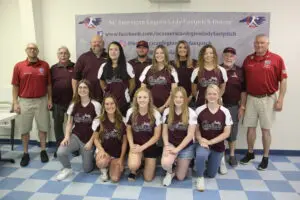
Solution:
(261, 109)
(34, 108)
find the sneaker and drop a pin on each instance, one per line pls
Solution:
(104, 175)
(131, 177)
(44, 156)
(200, 184)
(75, 153)
(223, 169)
(248, 157)
(232, 161)
(168, 179)
(264, 163)
(63, 174)
(55, 154)
(25, 160)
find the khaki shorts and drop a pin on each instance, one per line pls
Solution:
(37, 108)
(261, 109)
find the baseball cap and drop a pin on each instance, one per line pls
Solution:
(142, 43)
(229, 50)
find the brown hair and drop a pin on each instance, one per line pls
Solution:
(76, 98)
(201, 62)
(188, 54)
(167, 66)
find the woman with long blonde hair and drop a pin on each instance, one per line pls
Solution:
(143, 131)
(207, 72)
(179, 123)
(110, 140)
(214, 125)
(160, 78)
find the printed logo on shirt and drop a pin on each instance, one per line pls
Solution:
(267, 64)
(145, 127)
(82, 118)
(110, 134)
(178, 126)
(42, 71)
(234, 75)
(214, 126)
(157, 81)
(114, 80)
(206, 82)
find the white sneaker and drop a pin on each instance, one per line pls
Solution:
(168, 179)
(223, 169)
(104, 174)
(200, 184)
(64, 173)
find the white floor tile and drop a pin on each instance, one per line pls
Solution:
(285, 196)
(271, 175)
(254, 185)
(127, 192)
(283, 166)
(23, 173)
(230, 195)
(31, 185)
(43, 196)
(179, 194)
(76, 188)
(295, 185)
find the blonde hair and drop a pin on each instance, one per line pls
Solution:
(188, 54)
(184, 107)
(103, 116)
(217, 89)
(167, 66)
(201, 62)
(135, 106)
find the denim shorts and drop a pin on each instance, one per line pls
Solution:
(187, 153)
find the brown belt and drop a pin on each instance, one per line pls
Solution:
(262, 95)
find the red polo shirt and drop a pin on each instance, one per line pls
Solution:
(32, 78)
(263, 73)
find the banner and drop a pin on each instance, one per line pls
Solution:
(221, 29)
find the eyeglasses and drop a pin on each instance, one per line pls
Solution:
(32, 48)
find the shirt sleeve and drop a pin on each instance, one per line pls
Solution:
(130, 70)
(282, 74)
(128, 116)
(174, 74)
(224, 74)
(144, 73)
(100, 72)
(96, 125)
(16, 78)
(192, 117)
(228, 119)
(165, 116)
(70, 109)
(157, 117)
(79, 66)
(194, 75)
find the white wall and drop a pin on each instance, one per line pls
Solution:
(55, 27)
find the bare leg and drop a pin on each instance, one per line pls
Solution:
(43, 137)
(25, 141)
(251, 136)
(266, 138)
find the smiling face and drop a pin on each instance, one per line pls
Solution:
(142, 99)
(63, 55)
(142, 51)
(32, 51)
(212, 95)
(159, 55)
(229, 59)
(83, 90)
(113, 52)
(208, 55)
(109, 105)
(182, 50)
(261, 45)
(178, 99)
(97, 44)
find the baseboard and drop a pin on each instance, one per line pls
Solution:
(237, 151)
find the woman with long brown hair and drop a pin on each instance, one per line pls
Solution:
(207, 72)
(143, 131)
(110, 140)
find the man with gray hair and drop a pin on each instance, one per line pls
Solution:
(265, 74)
(32, 98)
(61, 76)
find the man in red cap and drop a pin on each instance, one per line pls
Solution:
(140, 62)
(265, 73)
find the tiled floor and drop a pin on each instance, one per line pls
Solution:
(37, 181)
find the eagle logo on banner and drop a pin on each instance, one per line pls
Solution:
(91, 22)
(253, 21)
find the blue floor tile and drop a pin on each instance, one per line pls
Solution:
(207, 194)
(291, 176)
(83, 177)
(36, 164)
(54, 187)
(99, 190)
(257, 195)
(270, 165)
(69, 197)
(248, 174)
(275, 158)
(279, 186)
(10, 183)
(297, 165)
(5, 171)
(229, 184)
(18, 195)
(150, 193)
(43, 174)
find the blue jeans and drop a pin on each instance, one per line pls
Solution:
(213, 159)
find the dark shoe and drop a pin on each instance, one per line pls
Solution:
(248, 157)
(264, 164)
(44, 156)
(25, 160)
(232, 161)
(55, 154)
(131, 177)
(75, 153)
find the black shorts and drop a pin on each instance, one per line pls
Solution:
(152, 152)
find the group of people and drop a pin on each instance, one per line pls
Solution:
(181, 111)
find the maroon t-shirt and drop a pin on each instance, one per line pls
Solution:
(159, 83)
(178, 131)
(87, 67)
(184, 75)
(61, 77)
(216, 77)
(83, 117)
(138, 68)
(110, 141)
(116, 86)
(142, 130)
(212, 125)
(234, 86)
